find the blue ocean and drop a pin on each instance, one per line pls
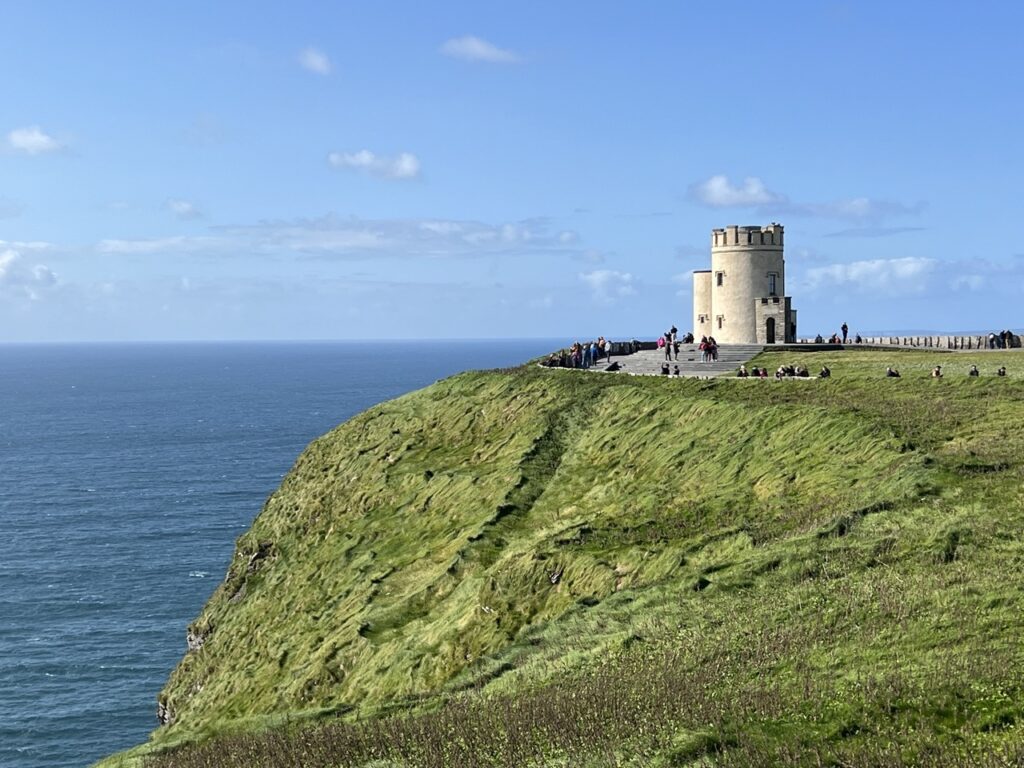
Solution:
(126, 473)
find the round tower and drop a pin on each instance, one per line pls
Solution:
(701, 302)
(746, 267)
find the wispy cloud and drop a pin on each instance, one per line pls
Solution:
(402, 166)
(20, 278)
(351, 238)
(873, 231)
(720, 192)
(472, 48)
(184, 209)
(608, 285)
(33, 141)
(179, 245)
(891, 277)
(315, 60)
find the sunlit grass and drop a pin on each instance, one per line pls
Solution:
(536, 567)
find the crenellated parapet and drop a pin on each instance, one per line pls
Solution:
(734, 236)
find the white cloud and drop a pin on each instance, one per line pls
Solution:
(967, 282)
(33, 141)
(315, 61)
(162, 245)
(471, 48)
(608, 285)
(719, 192)
(404, 165)
(891, 277)
(20, 278)
(352, 238)
(184, 209)
(30, 245)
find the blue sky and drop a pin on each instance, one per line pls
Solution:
(326, 170)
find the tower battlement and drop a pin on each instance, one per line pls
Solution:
(735, 236)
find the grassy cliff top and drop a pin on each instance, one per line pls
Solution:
(564, 567)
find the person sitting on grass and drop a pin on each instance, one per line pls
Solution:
(973, 371)
(892, 373)
(664, 369)
(825, 372)
(1001, 371)
(937, 372)
(742, 373)
(675, 371)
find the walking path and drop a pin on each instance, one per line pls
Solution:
(648, 361)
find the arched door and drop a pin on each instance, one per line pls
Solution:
(769, 329)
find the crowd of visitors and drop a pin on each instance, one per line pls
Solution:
(670, 341)
(587, 354)
(1001, 340)
(835, 338)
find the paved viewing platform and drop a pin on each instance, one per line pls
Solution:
(648, 361)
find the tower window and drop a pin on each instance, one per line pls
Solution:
(721, 319)
(772, 279)
(719, 278)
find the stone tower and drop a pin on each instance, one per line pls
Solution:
(741, 299)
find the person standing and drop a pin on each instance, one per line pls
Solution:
(845, 329)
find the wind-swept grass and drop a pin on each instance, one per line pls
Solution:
(538, 567)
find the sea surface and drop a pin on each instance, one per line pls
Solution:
(126, 473)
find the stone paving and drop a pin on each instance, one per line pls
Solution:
(648, 361)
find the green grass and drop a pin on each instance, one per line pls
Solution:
(558, 567)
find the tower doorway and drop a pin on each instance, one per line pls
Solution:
(769, 330)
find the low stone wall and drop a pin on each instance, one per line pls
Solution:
(937, 342)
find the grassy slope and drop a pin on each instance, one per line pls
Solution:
(806, 565)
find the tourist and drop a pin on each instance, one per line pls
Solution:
(712, 349)
(742, 373)
(844, 328)
(818, 339)
(992, 340)
(763, 374)
(857, 339)
(703, 347)
(675, 371)
(1001, 371)
(973, 371)
(892, 373)
(668, 345)
(664, 369)
(937, 372)
(825, 372)
(780, 372)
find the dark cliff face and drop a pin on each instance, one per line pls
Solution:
(498, 530)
